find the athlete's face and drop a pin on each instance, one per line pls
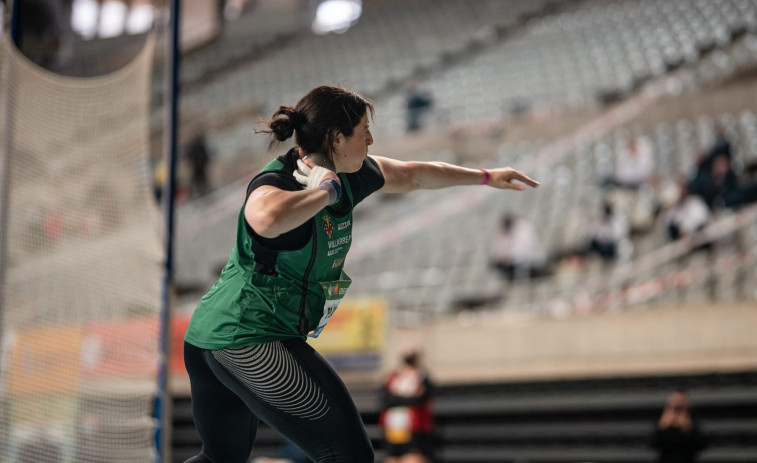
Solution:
(350, 152)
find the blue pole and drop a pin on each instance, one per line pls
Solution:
(163, 399)
(15, 21)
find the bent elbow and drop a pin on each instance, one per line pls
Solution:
(264, 224)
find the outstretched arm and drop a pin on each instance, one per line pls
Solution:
(404, 176)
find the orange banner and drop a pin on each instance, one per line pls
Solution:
(123, 349)
(45, 361)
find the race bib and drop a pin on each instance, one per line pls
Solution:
(334, 292)
(397, 425)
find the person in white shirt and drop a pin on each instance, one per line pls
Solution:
(517, 251)
(634, 164)
(687, 216)
(606, 233)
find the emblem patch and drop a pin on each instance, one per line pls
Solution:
(328, 227)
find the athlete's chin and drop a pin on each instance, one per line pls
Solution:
(350, 165)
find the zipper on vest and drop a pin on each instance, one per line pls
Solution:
(303, 328)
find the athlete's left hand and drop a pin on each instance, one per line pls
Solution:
(310, 175)
(505, 178)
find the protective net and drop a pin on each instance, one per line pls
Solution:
(82, 269)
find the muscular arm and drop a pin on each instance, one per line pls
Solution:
(271, 211)
(404, 176)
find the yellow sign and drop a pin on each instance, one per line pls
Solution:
(358, 325)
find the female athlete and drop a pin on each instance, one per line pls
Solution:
(245, 348)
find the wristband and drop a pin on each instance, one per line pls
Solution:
(487, 177)
(333, 188)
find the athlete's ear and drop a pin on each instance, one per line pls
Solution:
(338, 140)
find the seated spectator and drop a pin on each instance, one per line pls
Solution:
(634, 165)
(688, 215)
(677, 438)
(607, 233)
(713, 180)
(516, 250)
(718, 186)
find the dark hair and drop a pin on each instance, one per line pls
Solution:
(410, 359)
(317, 118)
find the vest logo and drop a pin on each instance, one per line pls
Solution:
(328, 227)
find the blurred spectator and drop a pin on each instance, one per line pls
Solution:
(721, 146)
(714, 180)
(418, 103)
(607, 233)
(199, 158)
(677, 437)
(634, 165)
(406, 416)
(718, 186)
(516, 250)
(688, 215)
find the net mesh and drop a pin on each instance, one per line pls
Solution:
(81, 294)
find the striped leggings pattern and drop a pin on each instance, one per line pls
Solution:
(271, 373)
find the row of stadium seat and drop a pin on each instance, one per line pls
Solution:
(554, 421)
(576, 59)
(425, 280)
(546, 65)
(391, 41)
(426, 274)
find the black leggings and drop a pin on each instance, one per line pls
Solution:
(288, 385)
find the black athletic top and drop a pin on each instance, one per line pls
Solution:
(362, 183)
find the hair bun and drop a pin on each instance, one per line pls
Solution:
(285, 121)
(282, 127)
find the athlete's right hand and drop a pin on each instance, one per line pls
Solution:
(311, 176)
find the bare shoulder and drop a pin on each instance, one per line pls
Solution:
(397, 175)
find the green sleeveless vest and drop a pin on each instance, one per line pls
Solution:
(296, 298)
